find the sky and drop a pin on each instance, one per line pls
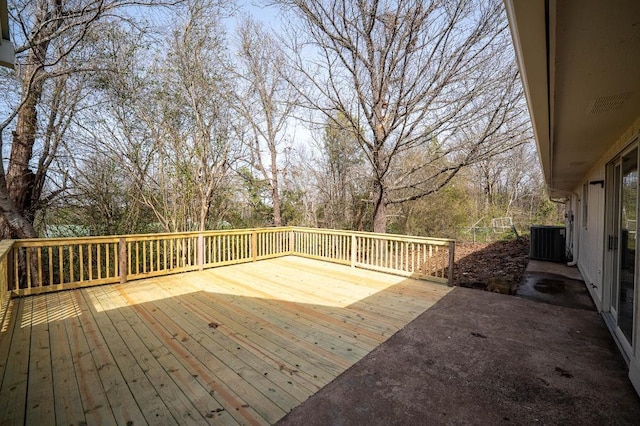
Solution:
(163, 17)
(268, 15)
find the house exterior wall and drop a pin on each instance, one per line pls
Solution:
(586, 40)
(620, 143)
(589, 240)
(591, 233)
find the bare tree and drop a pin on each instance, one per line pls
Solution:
(196, 108)
(340, 176)
(168, 122)
(51, 44)
(265, 103)
(506, 184)
(412, 74)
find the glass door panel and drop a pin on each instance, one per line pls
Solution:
(627, 248)
(614, 234)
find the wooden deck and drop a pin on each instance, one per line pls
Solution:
(240, 344)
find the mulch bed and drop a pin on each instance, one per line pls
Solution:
(478, 265)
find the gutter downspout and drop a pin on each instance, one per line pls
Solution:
(576, 234)
(576, 237)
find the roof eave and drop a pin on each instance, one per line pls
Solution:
(7, 53)
(529, 29)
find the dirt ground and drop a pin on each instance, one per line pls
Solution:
(481, 265)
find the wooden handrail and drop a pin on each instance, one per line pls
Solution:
(399, 237)
(38, 265)
(6, 250)
(38, 242)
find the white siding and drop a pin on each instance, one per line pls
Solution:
(591, 236)
(589, 241)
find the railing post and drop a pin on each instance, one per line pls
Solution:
(200, 253)
(11, 277)
(5, 267)
(4, 280)
(254, 245)
(452, 258)
(123, 260)
(292, 242)
(354, 250)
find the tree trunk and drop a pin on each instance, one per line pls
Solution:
(275, 190)
(379, 208)
(17, 198)
(204, 213)
(20, 178)
(12, 223)
(16, 195)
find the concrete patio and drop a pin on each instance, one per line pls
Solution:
(484, 358)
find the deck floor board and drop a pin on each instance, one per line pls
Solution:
(67, 398)
(240, 344)
(196, 393)
(94, 400)
(16, 372)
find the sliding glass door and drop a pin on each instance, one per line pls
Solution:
(622, 211)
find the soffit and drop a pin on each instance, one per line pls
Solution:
(596, 83)
(585, 92)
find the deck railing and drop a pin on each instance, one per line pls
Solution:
(5, 249)
(417, 257)
(40, 265)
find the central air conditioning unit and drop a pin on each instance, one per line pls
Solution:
(548, 243)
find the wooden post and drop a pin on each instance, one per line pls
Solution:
(11, 272)
(354, 250)
(292, 242)
(7, 264)
(123, 263)
(452, 258)
(254, 245)
(4, 281)
(200, 252)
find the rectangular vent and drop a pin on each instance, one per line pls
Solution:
(608, 103)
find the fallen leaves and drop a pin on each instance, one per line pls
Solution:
(477, 264)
